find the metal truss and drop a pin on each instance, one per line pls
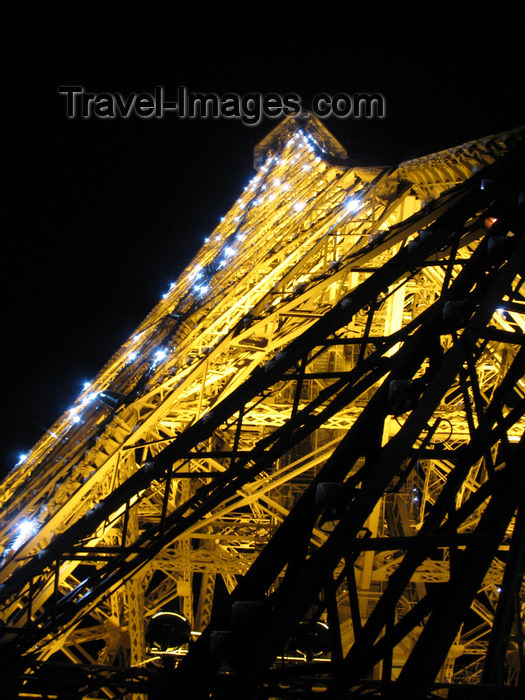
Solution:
(325, 414)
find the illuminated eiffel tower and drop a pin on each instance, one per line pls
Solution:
(304, 471)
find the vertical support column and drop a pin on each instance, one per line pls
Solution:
(135, 598)
(205, 601)
(202, 391)
(372, 524)
(393, 322)
(135, 608)
(184, 586)
(184, 582)
(394, 315)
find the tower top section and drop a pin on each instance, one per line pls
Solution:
(280, 135)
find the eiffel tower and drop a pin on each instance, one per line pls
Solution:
(303, 473)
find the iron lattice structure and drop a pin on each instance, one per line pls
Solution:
(312, 449)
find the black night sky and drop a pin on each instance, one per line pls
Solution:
(103, 214)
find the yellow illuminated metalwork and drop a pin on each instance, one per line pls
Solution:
(293, 245)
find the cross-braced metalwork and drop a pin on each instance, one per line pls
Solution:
(311, 449)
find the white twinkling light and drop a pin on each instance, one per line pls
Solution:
(160, 355)
(229, 250)
(353, 205)
(86, 385)
(88, 399)
(25, 529)
(299, 206)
